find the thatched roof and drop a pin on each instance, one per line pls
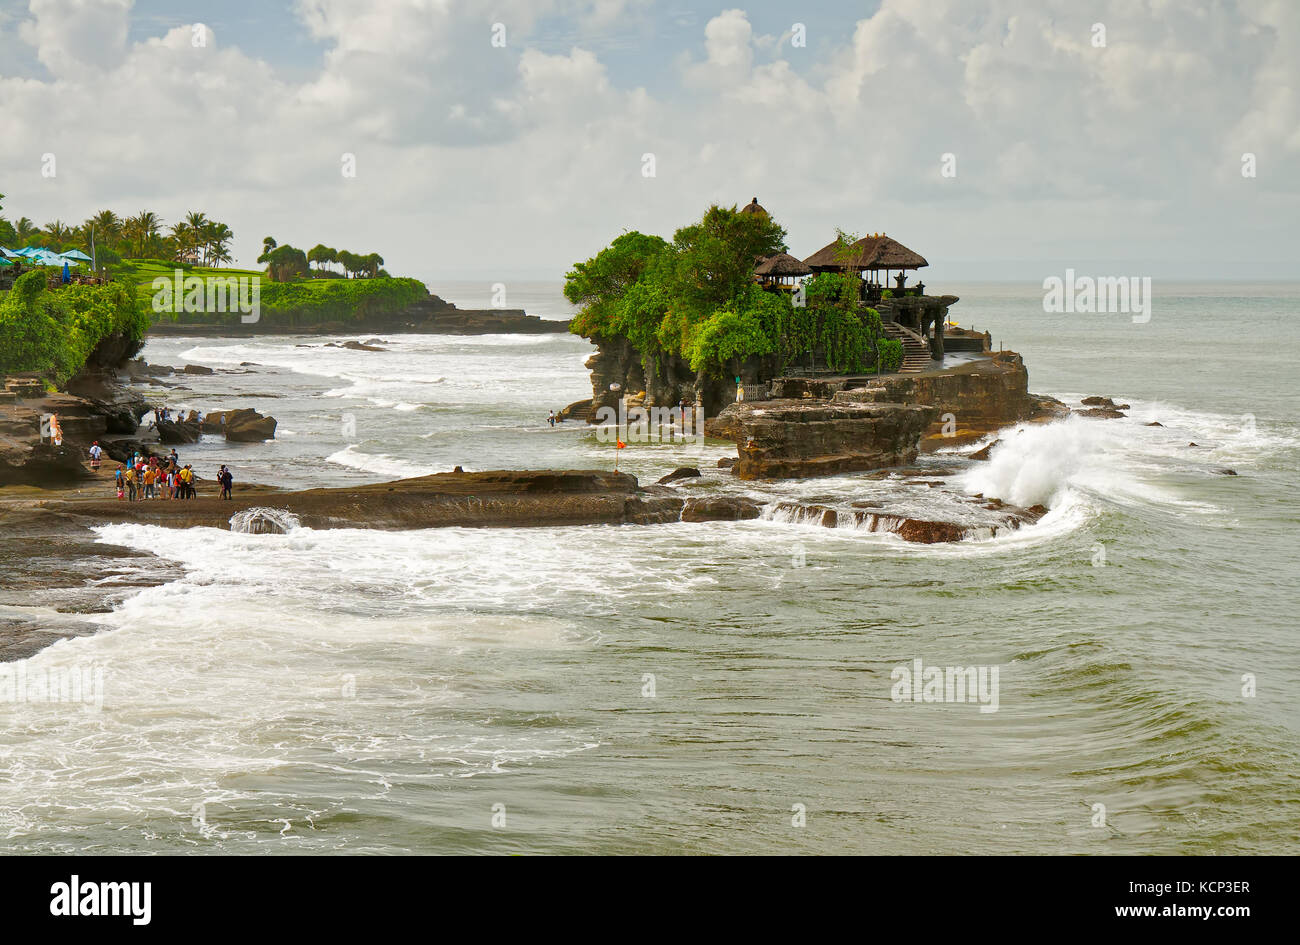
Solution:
(781, 264)
(870, 252)
(752, 207)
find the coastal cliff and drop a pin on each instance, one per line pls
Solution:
(431, 315)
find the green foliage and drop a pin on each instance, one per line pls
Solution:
(316, 301)
(725, 337)
(54, 332)
(600, 286)
(891, 354)
(696, 298)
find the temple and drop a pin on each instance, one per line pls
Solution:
(882, 265)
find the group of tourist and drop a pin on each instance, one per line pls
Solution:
(156, 477)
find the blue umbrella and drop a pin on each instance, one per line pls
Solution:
(76, 254)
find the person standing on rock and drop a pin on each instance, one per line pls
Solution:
(227, 480)
(96, 454)
(551, 419)
(130, 484)
(119, 478)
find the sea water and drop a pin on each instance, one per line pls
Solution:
(706, 688)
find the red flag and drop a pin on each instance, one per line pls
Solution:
(621, 445)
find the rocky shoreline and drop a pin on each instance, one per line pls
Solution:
(432, 315)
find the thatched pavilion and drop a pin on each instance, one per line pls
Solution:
(874, 255)
(753, 207)
(780, 271)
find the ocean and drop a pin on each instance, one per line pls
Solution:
(703, 688)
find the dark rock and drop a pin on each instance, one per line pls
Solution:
(1225, 472)
(727, 462)
(983, 454)
(197, 369)
(1103, 402)
(929, 533)
(789, 439)
(719, 508)
(178, 431)
(1102, 413)
(240, 426)
(1155, 423)
(681, 472)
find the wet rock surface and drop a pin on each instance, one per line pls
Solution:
(794, 439)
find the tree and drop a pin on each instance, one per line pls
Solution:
(57, 234)
(319, 254)
(600, 285)
(371, 263)
(726, 338)
(26, 230)
(713, 260)
(285, 263)
(141, 232)
(106, 226)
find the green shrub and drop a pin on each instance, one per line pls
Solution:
(54, 332)
(310, 302)
(891, 354)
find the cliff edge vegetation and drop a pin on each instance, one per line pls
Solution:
(695, 300)
(54, 332)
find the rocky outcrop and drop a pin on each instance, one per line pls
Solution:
(506, 498)
(794, 439)
(973, 399)
(1102, 408)
(85, 417)
(681, 472)
(719, 508)
(428, 315)
(240, 426)
(174, 432)
(921, 531)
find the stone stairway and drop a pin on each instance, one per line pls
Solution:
(916, 352)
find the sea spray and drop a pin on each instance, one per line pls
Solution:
(1034, 465)
(261, 521)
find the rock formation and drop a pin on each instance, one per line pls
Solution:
(240, 426)
(792, 439)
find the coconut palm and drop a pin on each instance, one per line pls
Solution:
(26, 230)
(107, 227)
(146, 226)
(216, 234)
(57, 233)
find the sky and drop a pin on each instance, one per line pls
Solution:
(1001, 139)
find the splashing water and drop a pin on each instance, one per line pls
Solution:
(260, 521)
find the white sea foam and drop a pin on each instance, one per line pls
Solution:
(381, 465)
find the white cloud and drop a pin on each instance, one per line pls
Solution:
(530, 157)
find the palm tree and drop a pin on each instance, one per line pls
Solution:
(195, 221)
(107, 227)
(373, 262)
(217, 234)
(185, 239)
(25, 229)
(57, 233)
(147, 225)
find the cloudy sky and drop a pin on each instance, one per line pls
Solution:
(483, 161)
